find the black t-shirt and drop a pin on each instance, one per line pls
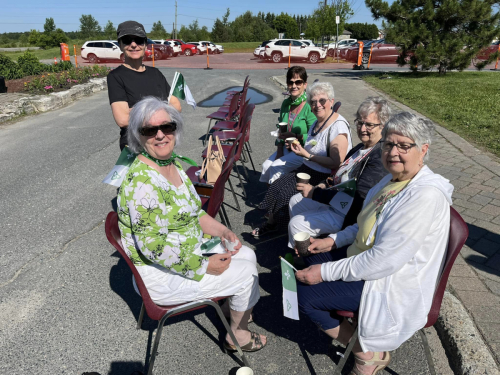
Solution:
(127, 85)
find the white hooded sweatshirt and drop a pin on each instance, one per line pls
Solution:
(402, 267)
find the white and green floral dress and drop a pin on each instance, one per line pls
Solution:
(159, 222)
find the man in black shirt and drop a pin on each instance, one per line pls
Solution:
(133, 81)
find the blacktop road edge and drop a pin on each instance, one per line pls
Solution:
(468, 353)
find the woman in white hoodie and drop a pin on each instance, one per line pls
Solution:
(389, 272)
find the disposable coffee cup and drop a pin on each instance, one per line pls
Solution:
(302, 242)
(289, 141)
(230, 245)
(244, 371)
(283, 127)
(303, 178)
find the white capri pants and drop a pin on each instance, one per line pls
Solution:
(240, 281)
(312, 217)
(273, 169)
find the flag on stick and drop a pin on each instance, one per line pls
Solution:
(342, 201)
(117, 174)
(180, 90)
(290, 303)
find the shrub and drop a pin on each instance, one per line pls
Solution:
(9, 69)
(30, 65)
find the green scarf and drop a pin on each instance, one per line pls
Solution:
(163, 163)
(297, 101)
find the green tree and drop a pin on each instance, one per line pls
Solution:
(49, 25)
(89, 26)
(325, 15)
(221, 31)
(158, 31)
(286, 24)
(442, 33)
(110, 30)
(362, 31)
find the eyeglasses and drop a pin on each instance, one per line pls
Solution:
(322, 101)
(403, 148)
(150, 131)
(368, 125)
(298, 82)
(128, 39)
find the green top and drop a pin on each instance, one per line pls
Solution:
(305, 118)
(159, 223)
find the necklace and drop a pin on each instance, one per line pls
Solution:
(313, 133)
(170, 160)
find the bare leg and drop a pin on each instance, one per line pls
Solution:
(239, 326)
(226, 311)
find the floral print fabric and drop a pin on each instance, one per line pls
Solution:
(159, 223)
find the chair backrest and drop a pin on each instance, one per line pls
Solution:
(246, 118)
(242, 102)
(114, 237)
(336, 106)
(458, 235)
(233, 106)
(217, 197)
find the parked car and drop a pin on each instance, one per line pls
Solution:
(343, 44)
(218, 47)
(162, 51)
(262, 47)
(485, 53)
(187, 49)
(200, 48)
(176, 46)
(280, 49)
(101, 50)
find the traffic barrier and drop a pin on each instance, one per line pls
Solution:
(64, 52)
(208, 61)
(74, 51)
(289, 54)
(498, 58)
(359, 65)
(369, 58)
(55, 60)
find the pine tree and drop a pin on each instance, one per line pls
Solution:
(442, 33)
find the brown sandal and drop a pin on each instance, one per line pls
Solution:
(376, 360)
(253, 345)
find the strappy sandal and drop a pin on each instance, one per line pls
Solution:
(253, 345)
(376, 360)
(264, 230)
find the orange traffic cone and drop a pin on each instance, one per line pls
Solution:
(55, 60)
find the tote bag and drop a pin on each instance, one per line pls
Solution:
(212, 165)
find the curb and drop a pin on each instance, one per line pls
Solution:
(467, 352)
(43, 103)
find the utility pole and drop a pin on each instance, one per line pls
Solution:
(322, 36)
(176, 20)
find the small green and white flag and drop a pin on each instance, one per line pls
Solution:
(117, 174)
(342, 201)
(290, 303)
(180, 90)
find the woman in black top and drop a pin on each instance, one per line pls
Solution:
(132, 80)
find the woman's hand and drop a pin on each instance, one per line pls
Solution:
(299, 150)
(310, 275)
(231, 237)
(218, 263)
(305, 189)
(321, 245)
(321, 186)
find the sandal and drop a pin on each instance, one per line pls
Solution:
(265, 229)
(376, 360)
(253, 345)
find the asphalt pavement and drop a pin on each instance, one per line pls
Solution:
(67, 305)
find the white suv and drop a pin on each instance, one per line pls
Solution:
(258, 51)
(202, 47)
(99, 50)
(344, 43)
(279, 49)
(176, 46)
(217, 48)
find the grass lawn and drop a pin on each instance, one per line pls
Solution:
(239, 47)
(466, 103)
(44, 54)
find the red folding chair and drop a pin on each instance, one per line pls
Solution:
(224, 116)
(458, 235)
(225, 105)
(245, 83)
(154, 311)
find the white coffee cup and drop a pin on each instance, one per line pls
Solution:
(303, 178)
(244, 371)
(231, 245)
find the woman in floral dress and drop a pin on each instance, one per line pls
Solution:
(162, 227)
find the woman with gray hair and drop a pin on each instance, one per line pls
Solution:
(328, 142)
(389, 272)
(162, 226)
(312, 209)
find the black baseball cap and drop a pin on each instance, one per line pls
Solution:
(130, 28)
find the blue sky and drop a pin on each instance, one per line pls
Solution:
(31, 14)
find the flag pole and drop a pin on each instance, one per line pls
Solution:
(174, 83)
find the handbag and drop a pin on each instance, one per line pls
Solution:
(212, 165)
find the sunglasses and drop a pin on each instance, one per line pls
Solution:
(322, 101)
(298, 82)
(128, 39)
(151, 131)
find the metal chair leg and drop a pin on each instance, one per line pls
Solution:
(208, 130)
(250, 146)
(244, 169)
(234, 194)
(230, 332)
(250, 157)
(427, 350)
(340, 366)
(228, 224)
(222, 219)
(241, 181)
(141, 317)
(156, 343)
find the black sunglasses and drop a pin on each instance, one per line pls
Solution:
(322, 101)
(298, 82)
(128, 39)
(150, 131)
